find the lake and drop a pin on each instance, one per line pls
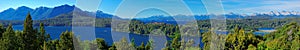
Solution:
(263, 31)
(105, 33)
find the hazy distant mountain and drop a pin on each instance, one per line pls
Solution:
(11, 14)
(38, 13)
(66, 11)
(270, 15)
(46, 13)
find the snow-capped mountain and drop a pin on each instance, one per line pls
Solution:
(281, 13)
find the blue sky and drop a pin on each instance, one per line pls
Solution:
(195, 6)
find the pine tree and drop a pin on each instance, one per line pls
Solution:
(206, 39)
(101, 44)
(123, 44)
(41, 37)
(19, 40)
(28, 28)
(175, 43)
(53, 45)
(2, 29)
(9, 39)
(29, 34)
(132, 43)
(44, 46)
(42, 34)
(66, 41)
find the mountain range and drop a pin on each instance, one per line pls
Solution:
(65, 11)
(42, 13)
(269, 15)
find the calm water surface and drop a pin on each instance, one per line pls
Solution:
(105, 33)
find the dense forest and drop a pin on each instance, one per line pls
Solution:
(287, 37)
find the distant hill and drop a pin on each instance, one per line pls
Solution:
(43, 13)
(61, 15)
(12, 14)
(269, 15)
(37, 14)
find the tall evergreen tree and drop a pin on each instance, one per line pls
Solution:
(42, 37)
(28, 28)
(29, 34)
(42, 31)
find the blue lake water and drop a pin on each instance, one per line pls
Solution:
(266, 28)
(263, 33)
(106, 34)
